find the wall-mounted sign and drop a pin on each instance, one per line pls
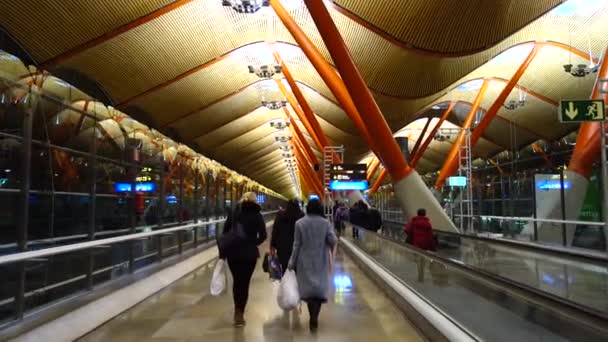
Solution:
(581, 110)
(337, 185)
(139, 187)
(551, 184)
(457, 181)
(348, 172)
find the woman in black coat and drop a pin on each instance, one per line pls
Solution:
(243, 255)
(281, 241)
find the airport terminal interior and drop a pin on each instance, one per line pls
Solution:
(131, 131)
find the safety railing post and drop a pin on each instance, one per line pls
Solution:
(92, 206)
(180, 211)
(534, 206)
(562, 194)
(161, 210)
(26, 168)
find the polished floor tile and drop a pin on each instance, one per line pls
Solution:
(357, 311)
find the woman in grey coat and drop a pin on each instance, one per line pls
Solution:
(314, 239)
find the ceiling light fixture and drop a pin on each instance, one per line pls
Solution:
(282, 139)
(279, 124)
(246, 6)
(274, 105)
(514, 104)
(580, 70)
(265, 71)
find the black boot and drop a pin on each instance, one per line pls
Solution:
(314, 308)
(239, 318)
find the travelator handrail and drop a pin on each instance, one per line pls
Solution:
(519, 218)
(532, 219)
(22, 256)
(529, 245)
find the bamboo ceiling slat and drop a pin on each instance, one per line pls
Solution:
(240, 126)
(449, 26)
(218, 114)
(47, 28)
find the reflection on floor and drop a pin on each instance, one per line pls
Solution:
(358, 311)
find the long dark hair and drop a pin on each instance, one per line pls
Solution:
(314, 207)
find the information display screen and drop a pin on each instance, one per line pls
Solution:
(139, 187)
(457, 181)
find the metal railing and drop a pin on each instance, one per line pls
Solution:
(198, 233)
(483, 221)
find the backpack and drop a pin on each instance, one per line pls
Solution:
(375, 219)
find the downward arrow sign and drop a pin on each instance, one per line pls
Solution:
(571, 111)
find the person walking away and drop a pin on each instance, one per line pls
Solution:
(420, 232)
(243, 254)
(281, 241)
(314, 238)
(340, 218)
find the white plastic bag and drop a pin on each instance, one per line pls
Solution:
(218, 280)
(289, 295)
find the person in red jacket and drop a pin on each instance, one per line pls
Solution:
(420, 232)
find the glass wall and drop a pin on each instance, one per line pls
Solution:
(75, 171)
(525, 198)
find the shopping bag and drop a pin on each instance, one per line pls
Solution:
(275, 269)
(289, 296)
(218, 280)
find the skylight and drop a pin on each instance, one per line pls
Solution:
(579, 7)
(471, 85)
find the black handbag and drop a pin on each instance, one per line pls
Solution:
(231, 238)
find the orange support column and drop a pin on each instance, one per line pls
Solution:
(421, 137)
(387, 149)
(500, 100)
(297, 134)
(306, 171)
(587, 148)
(379, 181)
(308, 112)
(420, 151)
(327, 73)
(372, 169)
(294, 104)
(451, 163)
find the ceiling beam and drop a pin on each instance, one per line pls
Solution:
(113, 34)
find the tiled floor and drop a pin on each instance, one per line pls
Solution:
(357, 311)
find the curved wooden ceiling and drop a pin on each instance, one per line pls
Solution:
(184, 63)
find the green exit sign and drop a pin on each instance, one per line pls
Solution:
(581, 110)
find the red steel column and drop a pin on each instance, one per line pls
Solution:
(387, 149)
